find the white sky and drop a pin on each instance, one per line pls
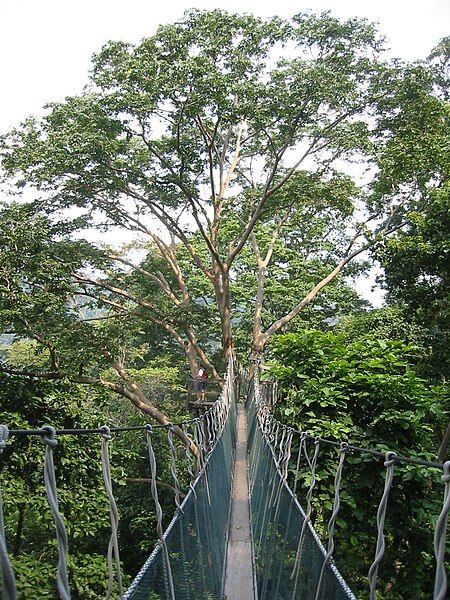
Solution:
(46, 45)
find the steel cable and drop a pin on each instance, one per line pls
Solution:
(307, 519)
(62, 579)
(159, 513)
(440, 585)
(381, 517)
(334, 514)
(173, 466)
(113, 546)
(9, 591)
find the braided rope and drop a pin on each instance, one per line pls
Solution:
(8, 579)
(113, 546)
(159, 513)
(440, 584)
(334, 514)
(190, 457)
(381, 517)
(173, 466)
(62, 579)
(307, 519)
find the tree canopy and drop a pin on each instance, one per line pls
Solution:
(249, 161)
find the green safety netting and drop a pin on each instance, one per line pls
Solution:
(276, 520)
(196, 538)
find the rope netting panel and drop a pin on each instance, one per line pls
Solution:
(188, 563)
(290, 560)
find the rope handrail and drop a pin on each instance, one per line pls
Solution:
(377, 453)
(88, 431)
(7, 573)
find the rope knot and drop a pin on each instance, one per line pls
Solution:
(149, 427)
(344, 446)
(446, 475)
(391, 457)
(170, 426)
(49, 436)
(303, 436)
(317, 439)
(4, 433)
(106, 432)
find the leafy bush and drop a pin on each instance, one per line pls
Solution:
(365, 390)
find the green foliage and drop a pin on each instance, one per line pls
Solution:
(232, 119)
(365, 390)
(416, 266)
(83, 502)
(366, 386)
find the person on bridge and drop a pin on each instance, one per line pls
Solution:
(201, 384)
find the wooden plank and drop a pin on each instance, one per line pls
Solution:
(239, 580)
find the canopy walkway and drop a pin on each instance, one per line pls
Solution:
(241, 532)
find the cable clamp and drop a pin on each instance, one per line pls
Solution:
(391, 457)
(49, 436)
(106, 432)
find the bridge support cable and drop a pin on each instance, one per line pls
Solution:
(440, 585)
(283, 465)
(113, 545)
(307, 520)
(167, 570)
(334, 515)
(62, 578)
(381, 517)
(8, 579)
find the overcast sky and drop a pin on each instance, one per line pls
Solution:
(46, 45)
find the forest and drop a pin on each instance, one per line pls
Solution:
(216, 191)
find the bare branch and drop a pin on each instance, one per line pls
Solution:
(159, 279)
(349, 256)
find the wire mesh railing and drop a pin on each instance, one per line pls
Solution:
(189, 561)
(190, 556)
(290, 559)
(288, 554)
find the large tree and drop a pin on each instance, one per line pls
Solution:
(221, 139)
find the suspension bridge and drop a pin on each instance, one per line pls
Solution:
(241, 532)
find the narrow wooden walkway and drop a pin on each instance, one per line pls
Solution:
(239, 581)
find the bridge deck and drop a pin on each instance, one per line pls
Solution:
(239, 580)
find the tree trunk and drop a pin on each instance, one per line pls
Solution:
(444, 445)
(222, 290)
(18, 536)
(161, 484)
(140, 400)
(191, 357)
(227, 332)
